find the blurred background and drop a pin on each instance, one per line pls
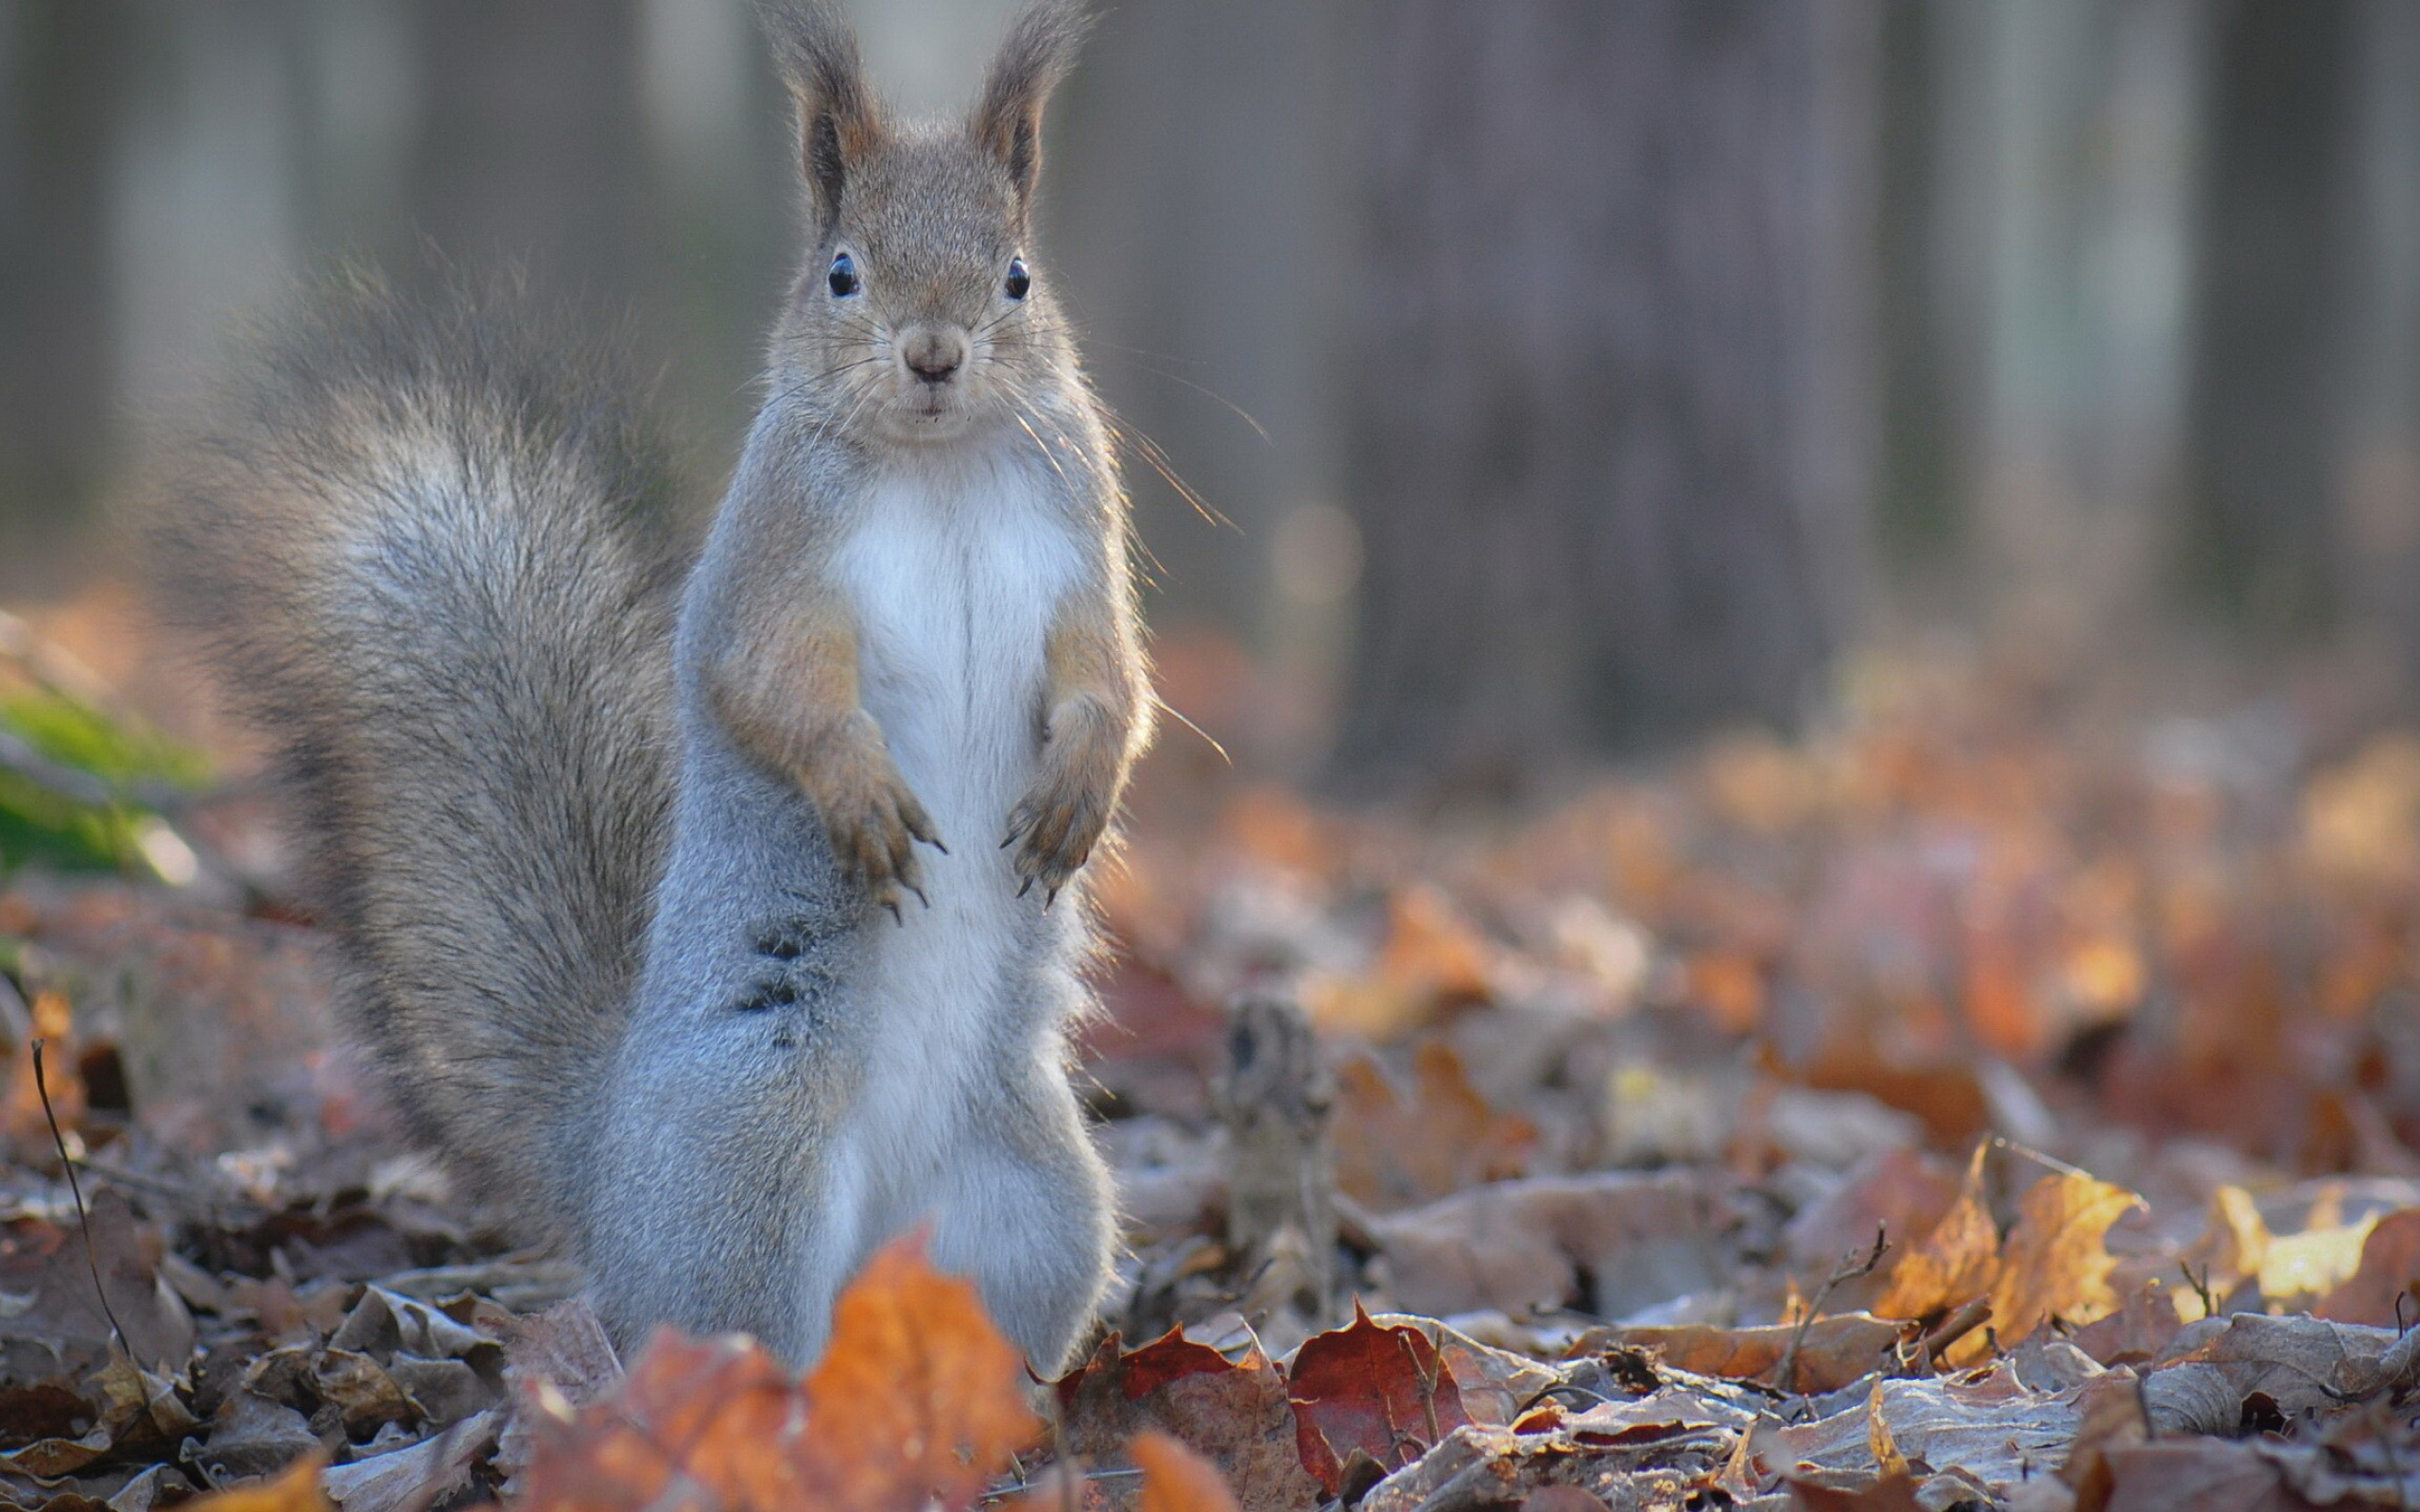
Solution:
(1559, 377)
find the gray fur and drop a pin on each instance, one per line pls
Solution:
(428, 549)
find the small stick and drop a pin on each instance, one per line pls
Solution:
(2201, 1286)
(76, 1190)
(1851, 1266)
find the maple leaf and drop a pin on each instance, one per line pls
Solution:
(918, 1394)
(917, 1398)
(1380, 1390)
(1234, 1413)
(720, 1418)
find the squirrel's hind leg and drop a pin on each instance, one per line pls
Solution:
(1030, 1213)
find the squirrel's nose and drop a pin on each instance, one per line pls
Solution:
(933, 355)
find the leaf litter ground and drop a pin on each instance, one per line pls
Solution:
(1977, 1103)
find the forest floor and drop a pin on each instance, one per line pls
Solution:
(1976, 1102)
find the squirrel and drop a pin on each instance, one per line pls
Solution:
(724, 919)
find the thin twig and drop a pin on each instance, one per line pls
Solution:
(1023, 1487)
(2201, 1286)
(76, 1190)
(1851, 1266)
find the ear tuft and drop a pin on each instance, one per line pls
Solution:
(839, 123)
(1040, 48)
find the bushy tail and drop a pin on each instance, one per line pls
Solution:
(428, 547)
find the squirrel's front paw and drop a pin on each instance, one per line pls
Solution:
(1054, 829)
(873, 823)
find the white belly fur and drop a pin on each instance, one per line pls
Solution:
(955, 571)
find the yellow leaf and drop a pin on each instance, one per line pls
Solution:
(2055, 1264)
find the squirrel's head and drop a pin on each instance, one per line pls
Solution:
(920, 309)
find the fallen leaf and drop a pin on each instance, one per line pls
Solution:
(2141, 1328)
(1959, 1260)
(2197, 1475)
(722, 1416)
(1175, 1479)
(2385, 1289)
(1381, 1391)
(2300, 1364)
(429, 1473)
(53, 1310)
(1395, 1148)
(1234, 1413)
(1833, 1350)
(1983, 1423)
(1894, 1493)
(296, 1489)
(918, 1396)
(2056, 1262)
(1640, 1237)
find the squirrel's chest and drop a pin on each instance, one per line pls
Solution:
(955, 584)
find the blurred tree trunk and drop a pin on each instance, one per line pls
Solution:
(1589, 390)
(2266, 391)
(532, 149)
(59, 63)
(2378, 487)
(2066, 142)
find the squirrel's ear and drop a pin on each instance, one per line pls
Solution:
(838, 124)
(1040, 49)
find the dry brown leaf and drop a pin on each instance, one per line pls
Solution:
(1235, 1413)
(24, 1119)
(2194, 1476)
(1175, 1479)
(2383, 1291)
(1984, 1424)
(2141, 1328)
(1895, 1493)
(1833, 1351)
(1641, 1237)
(2300, 1364)
(1379, 1390)
(2055, 1264)
(1957, 1263)
(1432, 959)
(1394, 1149)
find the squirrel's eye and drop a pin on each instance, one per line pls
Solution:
(843, 279)
(1019, 282)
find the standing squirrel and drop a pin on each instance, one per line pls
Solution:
(726, 927)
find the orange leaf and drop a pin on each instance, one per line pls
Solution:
(1175, 1479)
(295, 1489)
(720, 1414)
(2055, 1264)
(1958, 1261)
(918, 1396)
